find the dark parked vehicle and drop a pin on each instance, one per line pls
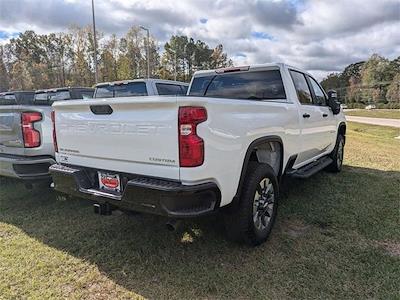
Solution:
(49, 96)
(17, 98)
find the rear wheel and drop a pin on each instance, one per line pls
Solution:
(337, 155)
(252, 220)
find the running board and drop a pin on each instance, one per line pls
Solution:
(310, 169)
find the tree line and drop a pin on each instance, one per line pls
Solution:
(375, 81)
(37, 61)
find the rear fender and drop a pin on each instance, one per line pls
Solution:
(267, 150)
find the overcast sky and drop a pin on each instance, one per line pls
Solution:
(320, 36)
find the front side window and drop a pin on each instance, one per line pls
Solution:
(302, 89)
(169, 89)
(319, 94)
(257, 85)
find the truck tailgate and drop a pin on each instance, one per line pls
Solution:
(136, 135)
(11, 137)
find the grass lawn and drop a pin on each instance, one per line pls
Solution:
(337, 236)
(375, 113)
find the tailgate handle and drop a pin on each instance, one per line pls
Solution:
(101, 109)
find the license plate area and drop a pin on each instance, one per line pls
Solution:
(109, 182)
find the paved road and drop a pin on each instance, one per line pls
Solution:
(375, 121)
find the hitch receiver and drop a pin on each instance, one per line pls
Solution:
(103, 209)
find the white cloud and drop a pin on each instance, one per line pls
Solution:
(320, 36)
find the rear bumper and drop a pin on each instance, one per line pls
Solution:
(24, 167)
(142, 194)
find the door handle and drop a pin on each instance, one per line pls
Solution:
(306, 116)
(324, 115)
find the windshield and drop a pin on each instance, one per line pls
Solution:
(132, 89)
(258, 85)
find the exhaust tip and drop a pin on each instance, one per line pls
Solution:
(172, 225)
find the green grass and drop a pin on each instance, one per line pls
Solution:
(337, 236)
(375, 113)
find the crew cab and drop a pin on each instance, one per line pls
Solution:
(26, 142)
(140, 87)
(223, 148)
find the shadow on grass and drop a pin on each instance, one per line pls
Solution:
(329, 212)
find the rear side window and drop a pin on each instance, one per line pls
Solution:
(170, 89)
(259, 85)
(302, 89)
(124, 90)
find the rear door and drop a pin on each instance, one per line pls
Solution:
(314, 126)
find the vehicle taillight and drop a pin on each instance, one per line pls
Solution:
(53, 119)
(30, 134)
(191, 146)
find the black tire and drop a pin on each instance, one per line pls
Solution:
(337, 155)
(240, 221)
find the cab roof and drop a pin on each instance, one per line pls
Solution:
(254, 67)
(62, 89)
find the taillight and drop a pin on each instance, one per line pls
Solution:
(191, 146)
(30, 134)
(53, 119)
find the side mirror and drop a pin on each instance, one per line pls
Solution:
(333, 102)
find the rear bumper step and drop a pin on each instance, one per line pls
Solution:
(24, 167)
(310, 169)
(143, 194)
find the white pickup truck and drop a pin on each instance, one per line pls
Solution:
(224, 147)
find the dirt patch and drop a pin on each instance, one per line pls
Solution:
(295, 228)
(392, 248)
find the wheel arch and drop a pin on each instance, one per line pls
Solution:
(256, 152)
(342, 130)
